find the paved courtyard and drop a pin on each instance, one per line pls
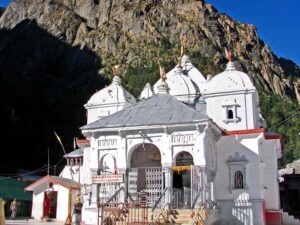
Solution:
(33, 222)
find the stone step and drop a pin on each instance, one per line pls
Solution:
(181, 216)
(289, 220)
(182, 221)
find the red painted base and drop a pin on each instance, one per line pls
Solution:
(274, 217)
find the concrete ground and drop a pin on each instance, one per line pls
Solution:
(32, 222)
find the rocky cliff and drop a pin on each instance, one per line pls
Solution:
(128, 32)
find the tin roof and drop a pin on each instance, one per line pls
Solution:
(11, 188)
(43, 183)
(161, 109)
(75, 153)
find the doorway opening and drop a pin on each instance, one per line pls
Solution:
(182, 170)
(145, 174)
(181, 196)
(50, 204)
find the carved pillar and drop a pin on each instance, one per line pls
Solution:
(168, 173)
(95, 189)
(124, 195)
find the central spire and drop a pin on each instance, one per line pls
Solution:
(163, 86)
(116, 79)
(230, 65)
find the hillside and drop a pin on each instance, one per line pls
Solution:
(55, 53)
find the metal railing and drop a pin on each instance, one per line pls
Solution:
(112, 202)
(160, 209)
(113, 212)
(199, 216)
(125, 214)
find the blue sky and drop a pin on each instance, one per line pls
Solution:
(4, 3)
(277, 22)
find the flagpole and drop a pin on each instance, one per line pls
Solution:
(62, 146)
(60, 142)
(48, 163)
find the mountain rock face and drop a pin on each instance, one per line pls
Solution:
(135, 31)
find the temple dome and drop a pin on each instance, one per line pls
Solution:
(112, 94)
(192, 72)
(180, 86)
(228, 81)
(146, 92)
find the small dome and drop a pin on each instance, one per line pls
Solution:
(146, 92)
(112, 94)
(163, 87)
(228, 81)
(180, 86)
(185, 60)
(192, 72)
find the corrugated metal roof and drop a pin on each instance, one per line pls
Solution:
(44, 181)
(161, 109)
(11, 188)
(75, 153)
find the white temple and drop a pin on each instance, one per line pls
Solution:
(198, 142)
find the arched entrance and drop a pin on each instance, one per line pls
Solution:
(182, 170)
(145, 173)
(182, 180)
(108, 164)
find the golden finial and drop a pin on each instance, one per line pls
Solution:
(228, 54)
(115, 70)
(162, 72)
(182, 48)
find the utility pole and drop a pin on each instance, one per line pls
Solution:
(48, 163)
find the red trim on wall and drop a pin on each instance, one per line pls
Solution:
(274, 217)
(256, 131)
(82, 141)
(250, 131)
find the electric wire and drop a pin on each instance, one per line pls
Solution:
(36, 171)
(282, 122)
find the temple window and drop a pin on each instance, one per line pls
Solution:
(229, 114)
(237, 172)
(238, 179)
(230, 107)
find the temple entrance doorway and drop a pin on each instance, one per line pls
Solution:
(145, 173)
(182, 180)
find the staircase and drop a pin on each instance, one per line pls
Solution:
(181, 216)
(289, 220)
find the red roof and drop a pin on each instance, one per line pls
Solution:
(83, 142)
(44, 181)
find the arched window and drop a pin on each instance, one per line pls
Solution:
(229, 114)
(238, 180)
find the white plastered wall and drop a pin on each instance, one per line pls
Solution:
(62, 203)
(37, 206)
(270, 182)
(246, 146)
(245, 111)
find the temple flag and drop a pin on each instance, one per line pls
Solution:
(60, 142)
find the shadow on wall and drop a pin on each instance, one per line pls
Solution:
(44, 84)
(242, 213)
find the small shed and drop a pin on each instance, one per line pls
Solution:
(289, 178)
(53, 197)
